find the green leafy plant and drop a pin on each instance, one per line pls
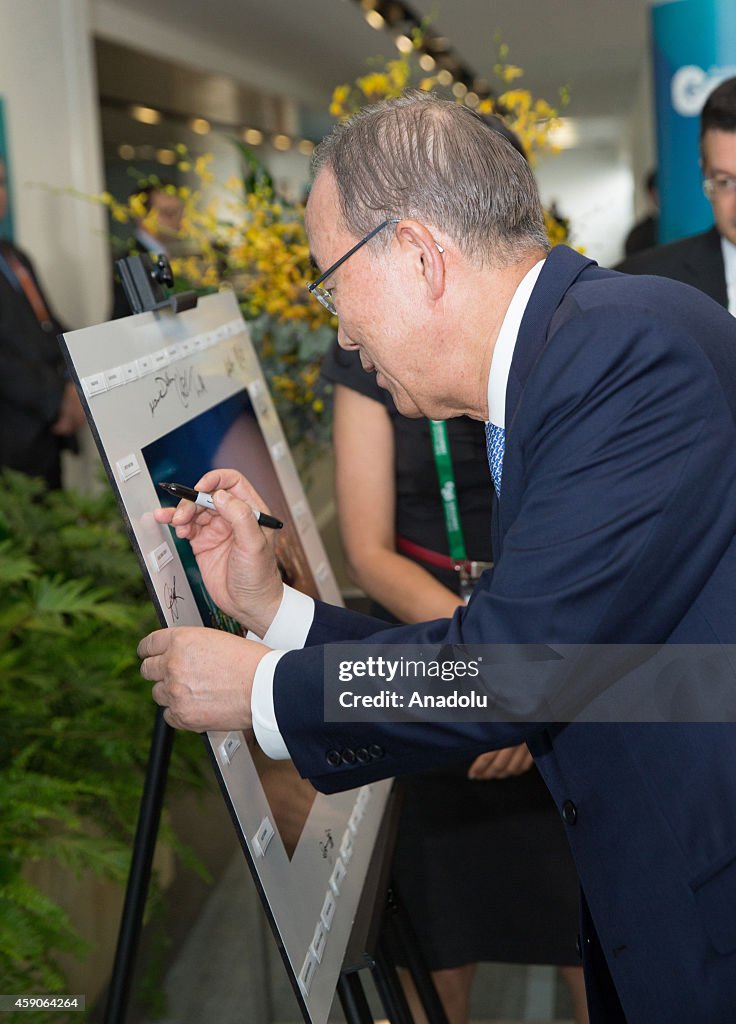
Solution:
(75, 716)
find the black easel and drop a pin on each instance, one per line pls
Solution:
(139, 876)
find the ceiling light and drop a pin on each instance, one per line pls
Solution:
(199, 125)
(252, 136)
(565, 133)
(305, 146)
(426, 62)
(146, 115)
(281, 142)
(459, 89)
(126, 151)
(444, 77)
(472, 99)
(166, 156)
(374, 19)
(404, 44)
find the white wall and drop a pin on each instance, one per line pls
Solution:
(51, 108)
(593, 186)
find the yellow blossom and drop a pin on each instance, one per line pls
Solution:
(138, 205)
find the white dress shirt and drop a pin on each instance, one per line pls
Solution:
(292, 622)
(729, 265)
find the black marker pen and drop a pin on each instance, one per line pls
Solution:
(205, 501)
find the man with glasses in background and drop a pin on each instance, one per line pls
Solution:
(706, 261)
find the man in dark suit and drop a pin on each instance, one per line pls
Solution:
(40, 412)
(610, 404)
(708, 260)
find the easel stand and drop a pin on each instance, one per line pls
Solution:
(382, 936)
(139, 878)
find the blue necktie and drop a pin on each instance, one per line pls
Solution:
(495, 439)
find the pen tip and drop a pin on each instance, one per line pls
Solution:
(164, 484)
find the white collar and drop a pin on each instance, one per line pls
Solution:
(729, 265)
(149, 242)
(503, 351)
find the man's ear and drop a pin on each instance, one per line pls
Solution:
(419, 247)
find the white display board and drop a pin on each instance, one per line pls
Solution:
(169, 396)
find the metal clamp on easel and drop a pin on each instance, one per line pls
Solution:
(145, 285)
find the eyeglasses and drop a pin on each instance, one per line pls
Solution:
(324, 295)
(723, 185)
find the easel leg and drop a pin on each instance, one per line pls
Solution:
(389, 987)
(402, 938)
(352, 999)
(139, 877)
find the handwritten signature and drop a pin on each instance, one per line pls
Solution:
(237, 359)
(328, 844)
(180, 384)
(171, 597)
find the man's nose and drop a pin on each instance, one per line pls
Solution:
(344, 341)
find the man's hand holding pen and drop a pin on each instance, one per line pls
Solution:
(203, 677)
(235, 556)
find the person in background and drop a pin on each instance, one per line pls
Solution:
(500, 886)
(644, 233)
(707, 260)
(40, 411)
(156, 227)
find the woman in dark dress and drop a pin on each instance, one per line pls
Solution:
(481, 863)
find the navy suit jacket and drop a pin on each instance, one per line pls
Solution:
(616, 525)
(32, 382)
(696, 260)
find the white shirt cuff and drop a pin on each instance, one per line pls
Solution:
(291, 623)
(262, 710)
(287, 632)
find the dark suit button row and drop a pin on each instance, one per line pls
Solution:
(347, 756)
(569, 812)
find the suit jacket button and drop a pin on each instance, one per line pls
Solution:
(347, 756)
(333, 758)
(376, 751)
(362, 754)
(569, 812)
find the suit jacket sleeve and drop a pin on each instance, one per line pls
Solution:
(620, 437)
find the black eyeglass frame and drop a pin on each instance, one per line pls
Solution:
(323, 296)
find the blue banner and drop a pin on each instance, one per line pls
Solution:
(694, 49)
(6, 221)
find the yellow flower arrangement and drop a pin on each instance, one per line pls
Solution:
(254, 242)
(532, 119)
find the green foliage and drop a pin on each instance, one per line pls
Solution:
(75, 716)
